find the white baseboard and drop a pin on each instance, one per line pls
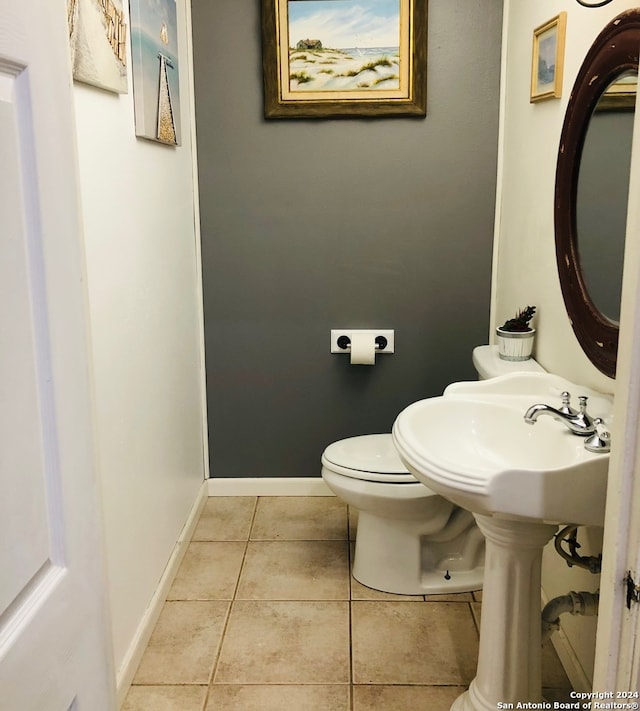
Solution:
(269, 486)
(147, 623)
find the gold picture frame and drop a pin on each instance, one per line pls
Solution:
(548, 59)
(313, 73)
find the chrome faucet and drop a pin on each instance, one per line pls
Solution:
(579, 422)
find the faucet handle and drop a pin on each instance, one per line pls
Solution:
(584, 415)
(566, 404)
(600, 441)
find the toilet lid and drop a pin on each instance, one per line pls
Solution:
(370, 457)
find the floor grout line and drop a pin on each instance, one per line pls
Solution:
(350, 621)
(216, 660)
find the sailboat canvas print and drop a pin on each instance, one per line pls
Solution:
(154, 63)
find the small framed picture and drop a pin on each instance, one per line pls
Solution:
(548, 59)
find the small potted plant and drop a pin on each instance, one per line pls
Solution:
(515, 336)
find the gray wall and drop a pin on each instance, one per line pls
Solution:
(312, 225)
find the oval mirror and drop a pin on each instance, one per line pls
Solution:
(591, 189)
(603, 194)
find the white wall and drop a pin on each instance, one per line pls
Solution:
(525, 263)
(138, 201)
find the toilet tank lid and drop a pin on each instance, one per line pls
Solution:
(488, 363)
(366, 453)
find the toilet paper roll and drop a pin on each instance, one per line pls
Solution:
(363, 349)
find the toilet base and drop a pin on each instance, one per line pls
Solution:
(391, 556)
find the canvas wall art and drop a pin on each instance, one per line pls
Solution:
(154, 66)
(98, 37)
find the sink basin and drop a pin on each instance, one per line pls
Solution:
(521, 481)
(473, 446)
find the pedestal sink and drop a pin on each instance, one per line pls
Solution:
(521, 481)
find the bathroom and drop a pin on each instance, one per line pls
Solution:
(275, 232)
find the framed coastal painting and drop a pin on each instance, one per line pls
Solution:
(98, 38)
(344, 58)
(154, 67)
(548, 59)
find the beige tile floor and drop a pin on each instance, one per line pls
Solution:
(263, 616)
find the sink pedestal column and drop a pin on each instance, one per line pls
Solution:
(510, 631)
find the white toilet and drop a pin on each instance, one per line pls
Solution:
(410, 540)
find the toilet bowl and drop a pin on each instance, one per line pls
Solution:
(409, 540)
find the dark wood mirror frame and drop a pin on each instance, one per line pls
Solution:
(614, 52)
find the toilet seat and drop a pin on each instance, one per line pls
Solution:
(367, 457)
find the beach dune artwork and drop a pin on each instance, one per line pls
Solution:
(352, 47)
(154, 64)
(97, 37)
(346, 58)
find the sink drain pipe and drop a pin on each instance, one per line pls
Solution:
(577, 603)
(569, 535)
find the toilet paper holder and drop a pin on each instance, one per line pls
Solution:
(341, 339)
(344, 342)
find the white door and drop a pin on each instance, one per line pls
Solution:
(617, 666)
(54, 649)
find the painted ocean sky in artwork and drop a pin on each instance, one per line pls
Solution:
(147, 20)
(360, 45)
(342, 24)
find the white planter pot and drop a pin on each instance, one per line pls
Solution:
(515, 345)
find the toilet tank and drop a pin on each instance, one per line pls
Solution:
(488, 363)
